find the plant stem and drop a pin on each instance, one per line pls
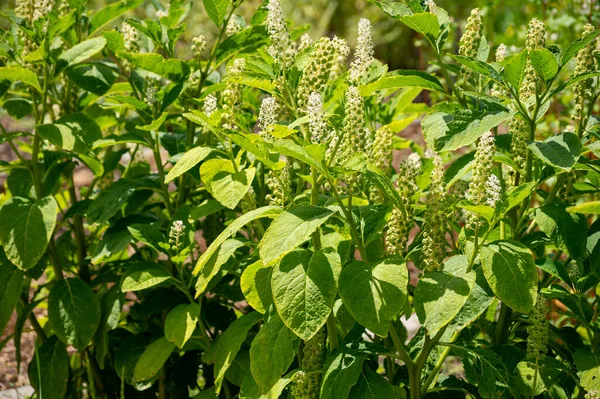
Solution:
(161, 173)
(39, 331)
(503, 324)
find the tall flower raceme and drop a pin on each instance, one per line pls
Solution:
(280, 183)
(536, 39)
(232, 94)
(363, 54)
(354, 135)
(307, 383)
(537, 340)
(267, 117)
(400, 223)
(481, 189)
(280, 37)
(469, 42)
(582, 90)
(210, 105)
(317, 125)
(435, 219)
(381, 156)
(339, 61)
(317, 71)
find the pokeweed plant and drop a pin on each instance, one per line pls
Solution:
(244, 233)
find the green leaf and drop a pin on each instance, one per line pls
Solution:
(156, 123)
(265, 211)
(567, 230)
(524, 378)
(272, 352)
(111, 199)
(374, 293)
(544, 62)
(230, 343)
(26, 229)
(371, 385)
(393, 9)
(449, 132)
(304, 289)
(249, 389)
(142, 275)
(187, 161)
(152, 360)
(424, 23)
(514, 69)
(17, 107)
(588, 208)
(18, 74)
(561, 151)
(74, 132)
(256, 286)
(516, 195)
(341, 372)
(216, 10)
(172, 69)
(510, 270)
(74, 312)
(588, 368)
(110, 12)
(93, 77)
(290, 229)
(401, 79)
(181, 322)
(80, 52)
(292, 149)
(50, 382)
(147, 234)
(11, 284)
(577, 45)
(224, 183)
(213, 266)
(246, 41)
(478, 66)
(439, 297)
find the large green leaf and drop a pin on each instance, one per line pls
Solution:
(26, 229)
(172, 69)
(110, 12)
(50, 379)
(290, 229)
(224, 183)
(514, 69)
(74, 312)
(587, 208)
(153, 359)
(250, 390)
(392, 8)
(74, 132)
(18, 74)
(187, 161)
(588, 368)
(401, 79)
(142, 275)
(216, 10)
(567, 230)
(341, 372)
(272, 352)
(80, 52)
(544, 62)
(440, 296)
(374, 293)
(181, 322)
(230, 343)
(256, 286)
(148, 234)
(111, 199)
(246, 41)
(449, 132)
(561, 151)
(265, 211)
(577, 45)
(425, 23)
(93, 77)
(304, 289)
(371, 385)
(510, 270)
(11, 284)
(213, 266)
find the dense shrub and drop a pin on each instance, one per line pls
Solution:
(243, 232)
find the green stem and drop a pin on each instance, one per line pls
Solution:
(161, 173)
(501, 333)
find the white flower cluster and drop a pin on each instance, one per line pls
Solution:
(42, 8)
(354, 136)
(316, 118)
(199, 45)
(175, 234)
(130, 37)
(267, 117)
(431, 6)
(210, 105)
(238, 66)
(162, 13)
(363, 55)
(280, 37)
(469, 42)
(280, 185)
(501, 52)
(305, 41)
(233, 26)
(493, 190)
(536, 38)
(479, 185)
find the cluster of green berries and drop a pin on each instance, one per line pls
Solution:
(469, 42)
(435, 219)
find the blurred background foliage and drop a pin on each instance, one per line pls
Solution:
(397, 45)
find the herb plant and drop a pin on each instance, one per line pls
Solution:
(243, 233)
